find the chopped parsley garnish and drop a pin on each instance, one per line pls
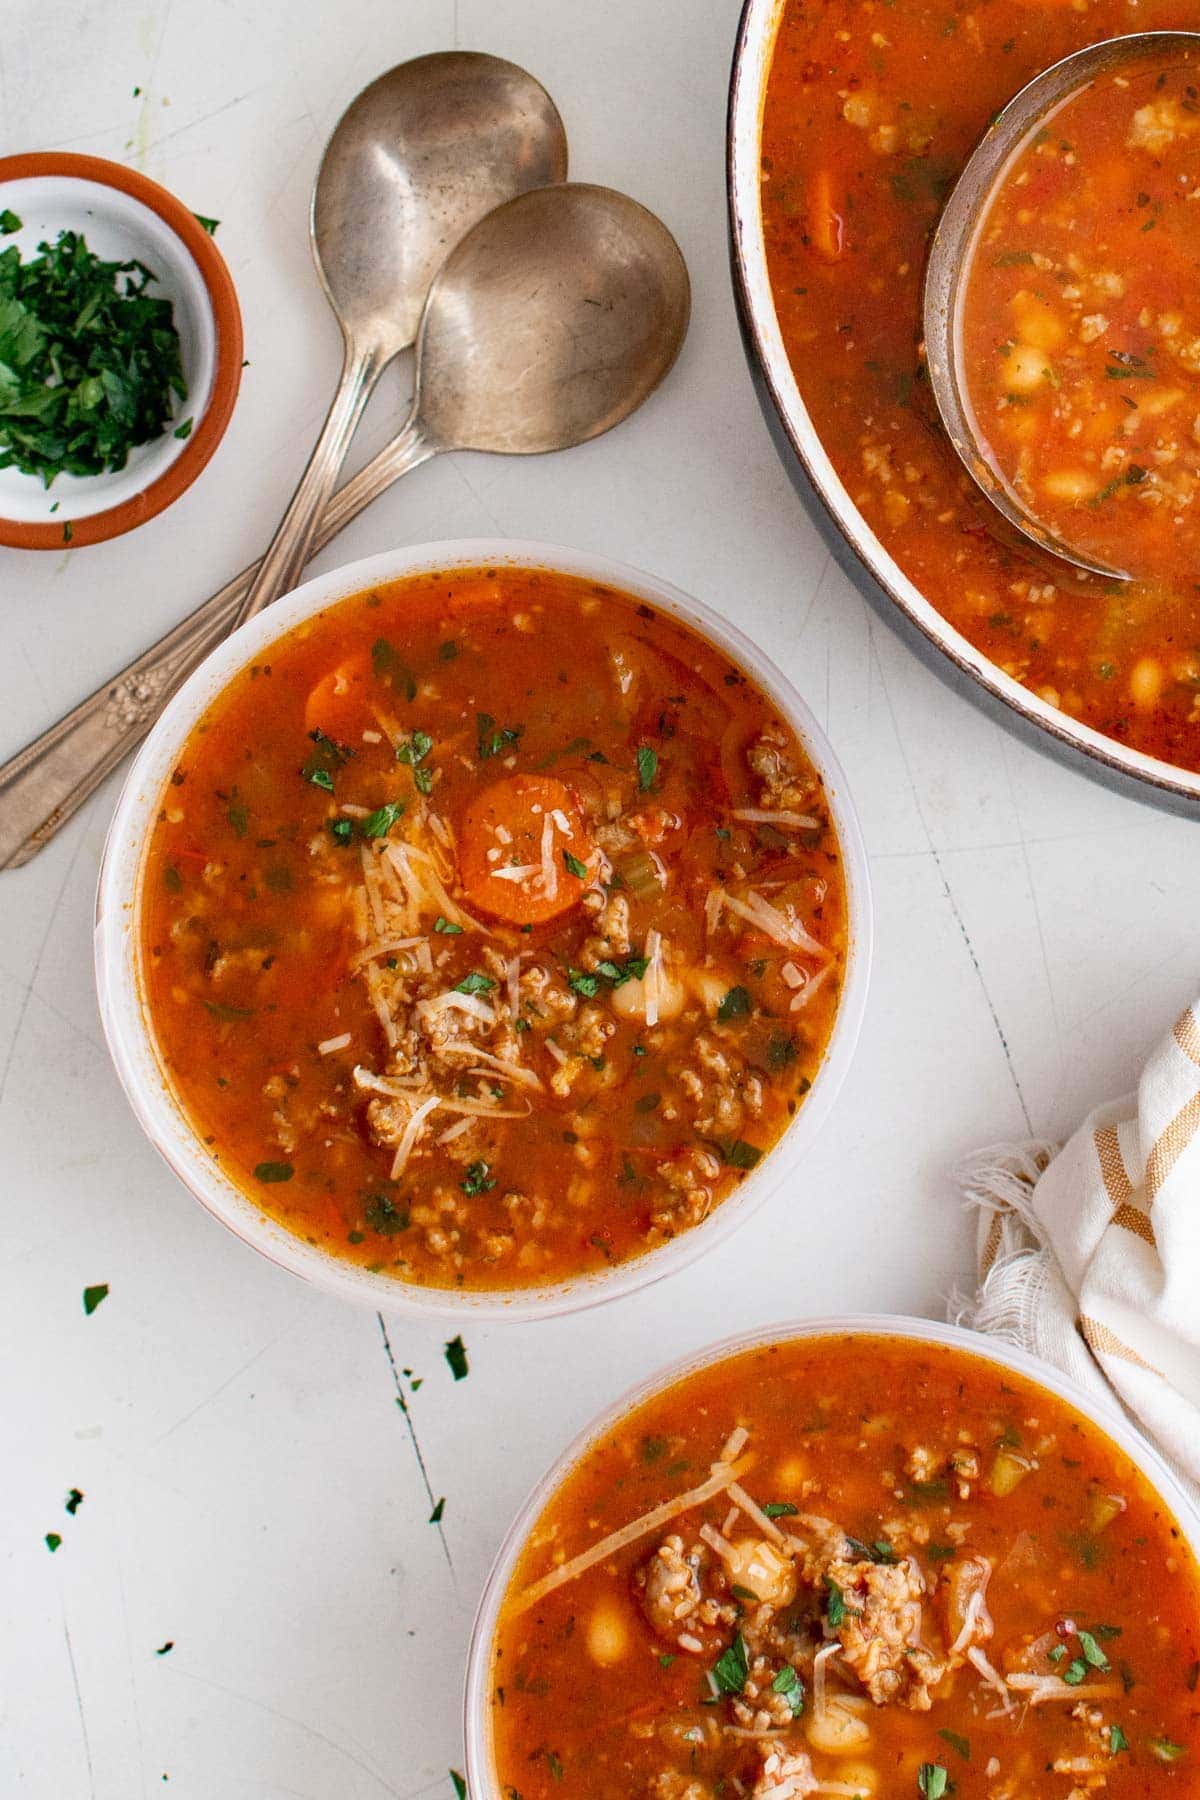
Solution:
(207, 224)
(90, 362)
(1117, 1741)
(456, 1355)
(789, 1684)
(493, 740)
(184, 430)
(740, 1155)
(273, 1171)
(1092, 1652)
(1056, 1654)
(474, 983)
(940, 1552)
(780, 1509)
(390, 667)
(220, 1009)
(325, 759)
(961, 1744)
(53, 1541)
(446, 927)
(74, 1501)
(574, 867)
(384, 1217)
(666, 1659)
(9, 222)
(835, 1603)
(932, 1781)
(732, 1667)
(647, 767)
(736, 1004)
(1165, 1750)
(477, 1179)
(341, 830)
(380, 822)
(632, 969)
(554, 1764)
(447, 651)
(93, 1296)
(413, 752)
(1075, 1672)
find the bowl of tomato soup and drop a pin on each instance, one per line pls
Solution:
(868, 1556)
(848, 128)
(486, 926)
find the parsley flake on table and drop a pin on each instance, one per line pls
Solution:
(90, 363)
(456, 1355)
(74, 1501)
(9, 222)
(92, 1297)
(53, 1541)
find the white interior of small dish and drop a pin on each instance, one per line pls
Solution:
(131, 1040)
(119, 229)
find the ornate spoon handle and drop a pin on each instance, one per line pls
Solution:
(44, 784)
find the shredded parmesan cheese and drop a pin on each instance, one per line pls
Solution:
(1037, 1689)
(328, 1045)
(772, 923)
(801, 999)
(792, 821)
(654, 968)
(412, 1132)
(719, 1479)
(767, 1526)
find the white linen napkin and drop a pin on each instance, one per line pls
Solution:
(1089, 1254)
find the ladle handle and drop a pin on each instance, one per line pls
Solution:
(291, 547)
(44, 784)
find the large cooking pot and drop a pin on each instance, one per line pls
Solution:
(855, 546)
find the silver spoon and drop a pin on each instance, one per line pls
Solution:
(549, 323)
(421, 154)
(954, 242)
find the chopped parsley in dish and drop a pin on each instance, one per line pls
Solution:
(90, 363)
(491, 969)
(676, 1635)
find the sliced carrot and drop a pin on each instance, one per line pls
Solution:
(824, 222)
(516, 824)
(337, 704)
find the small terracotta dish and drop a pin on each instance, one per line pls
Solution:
(124, 216)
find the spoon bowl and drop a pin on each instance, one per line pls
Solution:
(413, 163)
(957, 235)
(549, 323)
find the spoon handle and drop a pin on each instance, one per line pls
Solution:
(44, 784)
(291, 547)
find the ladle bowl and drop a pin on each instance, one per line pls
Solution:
(956, 239)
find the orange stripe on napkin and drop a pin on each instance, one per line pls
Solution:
(1102, 1342)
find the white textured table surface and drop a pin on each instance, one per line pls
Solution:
(252, 1492)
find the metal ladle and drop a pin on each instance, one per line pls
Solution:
(956, 239)
(548, 324)
(413, 162)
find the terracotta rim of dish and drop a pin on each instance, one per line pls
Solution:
(227, 372)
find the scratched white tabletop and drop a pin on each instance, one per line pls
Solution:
(253, 1496)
